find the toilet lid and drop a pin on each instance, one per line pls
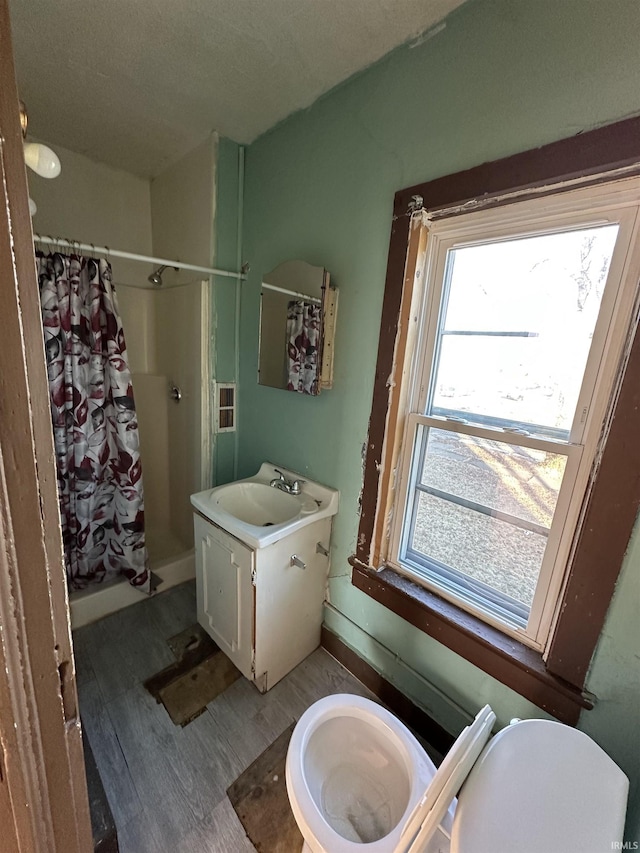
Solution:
(434, 804)
(540, 786)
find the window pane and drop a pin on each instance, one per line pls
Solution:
(514, 480)
(517, 322)
(504, 557)
(483, 509)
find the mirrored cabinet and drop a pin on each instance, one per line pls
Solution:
(298, 308)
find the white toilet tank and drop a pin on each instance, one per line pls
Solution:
(541, 787)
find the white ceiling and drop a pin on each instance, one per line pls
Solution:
(138, 83)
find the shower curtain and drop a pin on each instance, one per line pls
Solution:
(94, 422)
(303, 332)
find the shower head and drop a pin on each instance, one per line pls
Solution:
(156, 277)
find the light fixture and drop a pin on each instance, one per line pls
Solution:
(38, 157)
(41, 159)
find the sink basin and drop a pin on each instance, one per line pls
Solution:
(258, 513)
(258, 503)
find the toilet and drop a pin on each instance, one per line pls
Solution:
(359, 782)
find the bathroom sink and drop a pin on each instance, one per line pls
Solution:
(258, 503)
(259, 514)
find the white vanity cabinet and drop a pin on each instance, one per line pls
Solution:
(258, 604)
(225, 569)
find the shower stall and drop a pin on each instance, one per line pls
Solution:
(166, 310)
(166, 327)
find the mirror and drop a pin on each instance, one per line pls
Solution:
(297, 322)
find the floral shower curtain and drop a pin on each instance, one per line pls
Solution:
(94, 422)
(303, 333)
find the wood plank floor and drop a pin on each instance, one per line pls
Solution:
(167, 785)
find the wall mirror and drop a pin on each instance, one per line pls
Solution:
(297, 324)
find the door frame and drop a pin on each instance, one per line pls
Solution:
(43, 795)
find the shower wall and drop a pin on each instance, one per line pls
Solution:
(182, 216)
(163, 328)
(179, 323)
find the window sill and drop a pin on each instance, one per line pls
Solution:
(510, 662)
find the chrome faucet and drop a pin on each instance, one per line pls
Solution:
(292, 487)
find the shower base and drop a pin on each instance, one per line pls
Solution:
(89, 605)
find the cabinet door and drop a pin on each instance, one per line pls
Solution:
(225, 592)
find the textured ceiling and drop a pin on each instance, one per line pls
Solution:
(138, 84)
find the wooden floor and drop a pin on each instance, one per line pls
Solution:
(167, 785)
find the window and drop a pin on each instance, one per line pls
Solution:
(510, 386)
(506, 408)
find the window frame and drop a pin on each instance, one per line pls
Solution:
(580, 209)
(608, 514)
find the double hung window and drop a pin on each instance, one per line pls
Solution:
(522, 319)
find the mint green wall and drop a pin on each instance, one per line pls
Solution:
(502, 77)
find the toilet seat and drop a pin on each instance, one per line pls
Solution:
(456, 766)
(340, 732)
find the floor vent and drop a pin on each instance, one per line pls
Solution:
(225, 413)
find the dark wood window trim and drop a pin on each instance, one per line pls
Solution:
(511, 662)
(557, 684)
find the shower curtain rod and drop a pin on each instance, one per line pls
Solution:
(292, 293)
(131, 256)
